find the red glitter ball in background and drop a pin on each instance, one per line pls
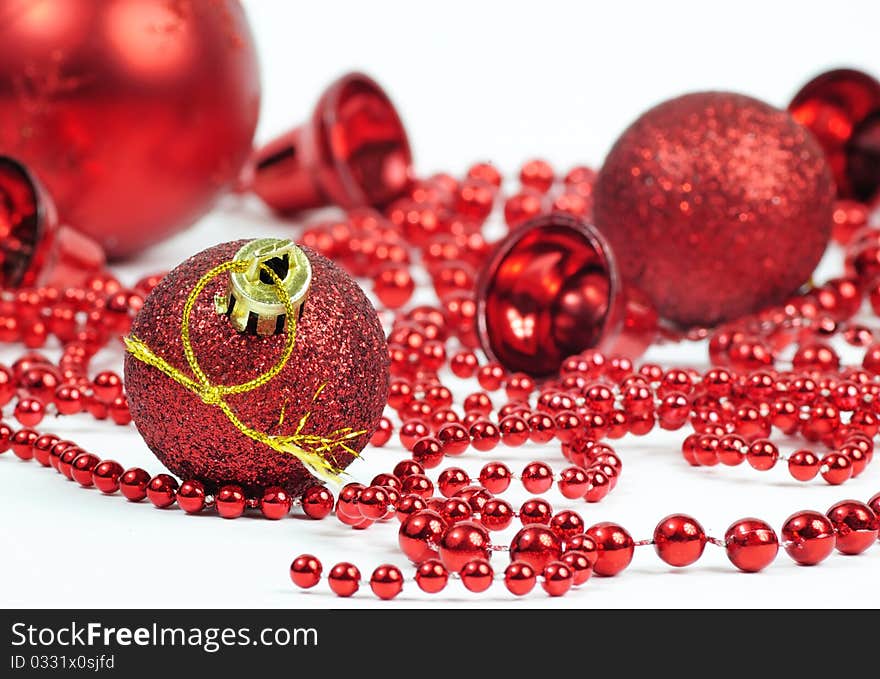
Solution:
(339, 344)
(842, 109)
(715, 204)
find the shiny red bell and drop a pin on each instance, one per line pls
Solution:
(353, 152)
(551, 290)
(34, 249)
(842, 109)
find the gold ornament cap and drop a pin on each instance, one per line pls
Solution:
(251, 302)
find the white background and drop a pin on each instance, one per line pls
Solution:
(473, 80)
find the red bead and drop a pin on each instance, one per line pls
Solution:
(393, 285)
(22, 444)
(463, 542)
(317, 502)
(537, 477)
(428, 452)
(464, 364)
(495, 477)
(6, 433)
(305, 571)
(485, 435)
(600, 486)
(133, 484)
(762, 454)
(558, 578)
(81, 469)
(386, 581)
(491, 376)
(808, 537)
(520, 578)
(161, 490)
(454, 438)
(803, 465)
(537, 174)
(856, 525)
(874, 504)
(514, 431)
(68, 400)
(537, 545)
(679, 540)
(452, 480)
(573, 482)
(836, 468)
(411, 431)
(230, 501)
(475, 496)
(373, 502)
(191, 497)
(580, 565)
(408, 505)
(106, 476)
(275, 503)
(406, 468)
(383, 433)
(584, 544)
(107, 385)
(419, 484)
(29, 411)
(751, 545)
(420, 534)
(535, 510)
(65, 462)
(542, 427)
(431, 576)
(496, 514)
(476, 575)
(344, 579)
(615, 548)
(42, 448)
(731, 449)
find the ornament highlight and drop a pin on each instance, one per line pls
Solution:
(715, 205)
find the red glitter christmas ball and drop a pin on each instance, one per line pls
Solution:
(715, 204)
(339, 344)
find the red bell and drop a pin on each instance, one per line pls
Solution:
(34, 249)
(353, 152)
(550, 290)
(842, 109)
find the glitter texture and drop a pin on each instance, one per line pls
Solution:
(339, 342)
(715, 205)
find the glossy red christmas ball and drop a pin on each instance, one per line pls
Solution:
(129, 103)
(305, 571)
(856, 525)
(715, 204)
(842, 109)
(339, 344)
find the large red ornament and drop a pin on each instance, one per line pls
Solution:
(34, 249)
(842, 109)
(352, 152)
(339, 344)
(715, 204)
(135, 113)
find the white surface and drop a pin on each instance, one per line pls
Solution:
(503, 81)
